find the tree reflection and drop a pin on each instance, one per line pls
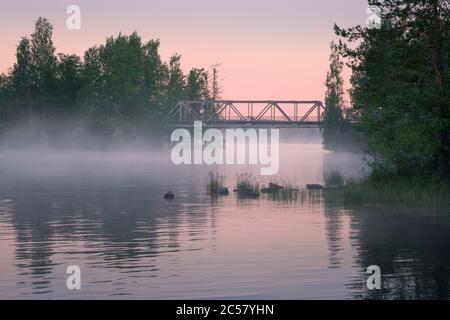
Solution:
(412, 248)
(119, 226)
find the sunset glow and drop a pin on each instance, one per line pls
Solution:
(267, 49)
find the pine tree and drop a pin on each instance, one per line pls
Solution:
(400, 76)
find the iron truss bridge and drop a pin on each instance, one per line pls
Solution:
(241, 113)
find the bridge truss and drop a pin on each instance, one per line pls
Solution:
(240, 113)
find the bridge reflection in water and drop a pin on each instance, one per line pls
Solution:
(241, 113)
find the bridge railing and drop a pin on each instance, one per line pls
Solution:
(277, 119)
(255, 112)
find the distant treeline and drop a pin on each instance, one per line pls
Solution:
(400, 87)
(120, 88)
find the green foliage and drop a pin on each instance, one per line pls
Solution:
(399, 80)
(288, 193)
(400, 192)
(177, 82)
(245, 184)
(21, 72)
(5, 93)
(333, 122)
(215, 183)
(197, 85)
(43, 67)
(119, 89)
(68, 79)
(334, 179)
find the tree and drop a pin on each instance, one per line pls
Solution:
(197, 85)
(156, 76)
(4, 83)
(43, 66)
(113, 79)
(400, 75)
(334, 100)
(177, 83)
(119, 88)
(68, 79)
(91, 78)
(21, 77)
(5, 100)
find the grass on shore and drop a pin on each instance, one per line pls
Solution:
(215, 183)
(394, 193)
(346, 192)
(334, 179)
(289, 194)
(245, 184)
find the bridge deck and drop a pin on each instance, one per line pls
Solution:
(243, 124)
(247, 113)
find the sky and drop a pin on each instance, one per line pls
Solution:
(267, 49)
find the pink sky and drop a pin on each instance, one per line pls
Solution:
(267, 49)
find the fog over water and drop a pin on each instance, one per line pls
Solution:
(104, 211)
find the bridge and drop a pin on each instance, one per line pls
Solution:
(252, 113)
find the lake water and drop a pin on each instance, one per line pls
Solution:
(104, 212)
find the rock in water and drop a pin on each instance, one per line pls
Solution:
(266, 190)
(314, 187)
(253, 194)
(275, 187)
(169, 195)
(224, 191)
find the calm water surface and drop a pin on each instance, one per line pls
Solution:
(104, 212)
